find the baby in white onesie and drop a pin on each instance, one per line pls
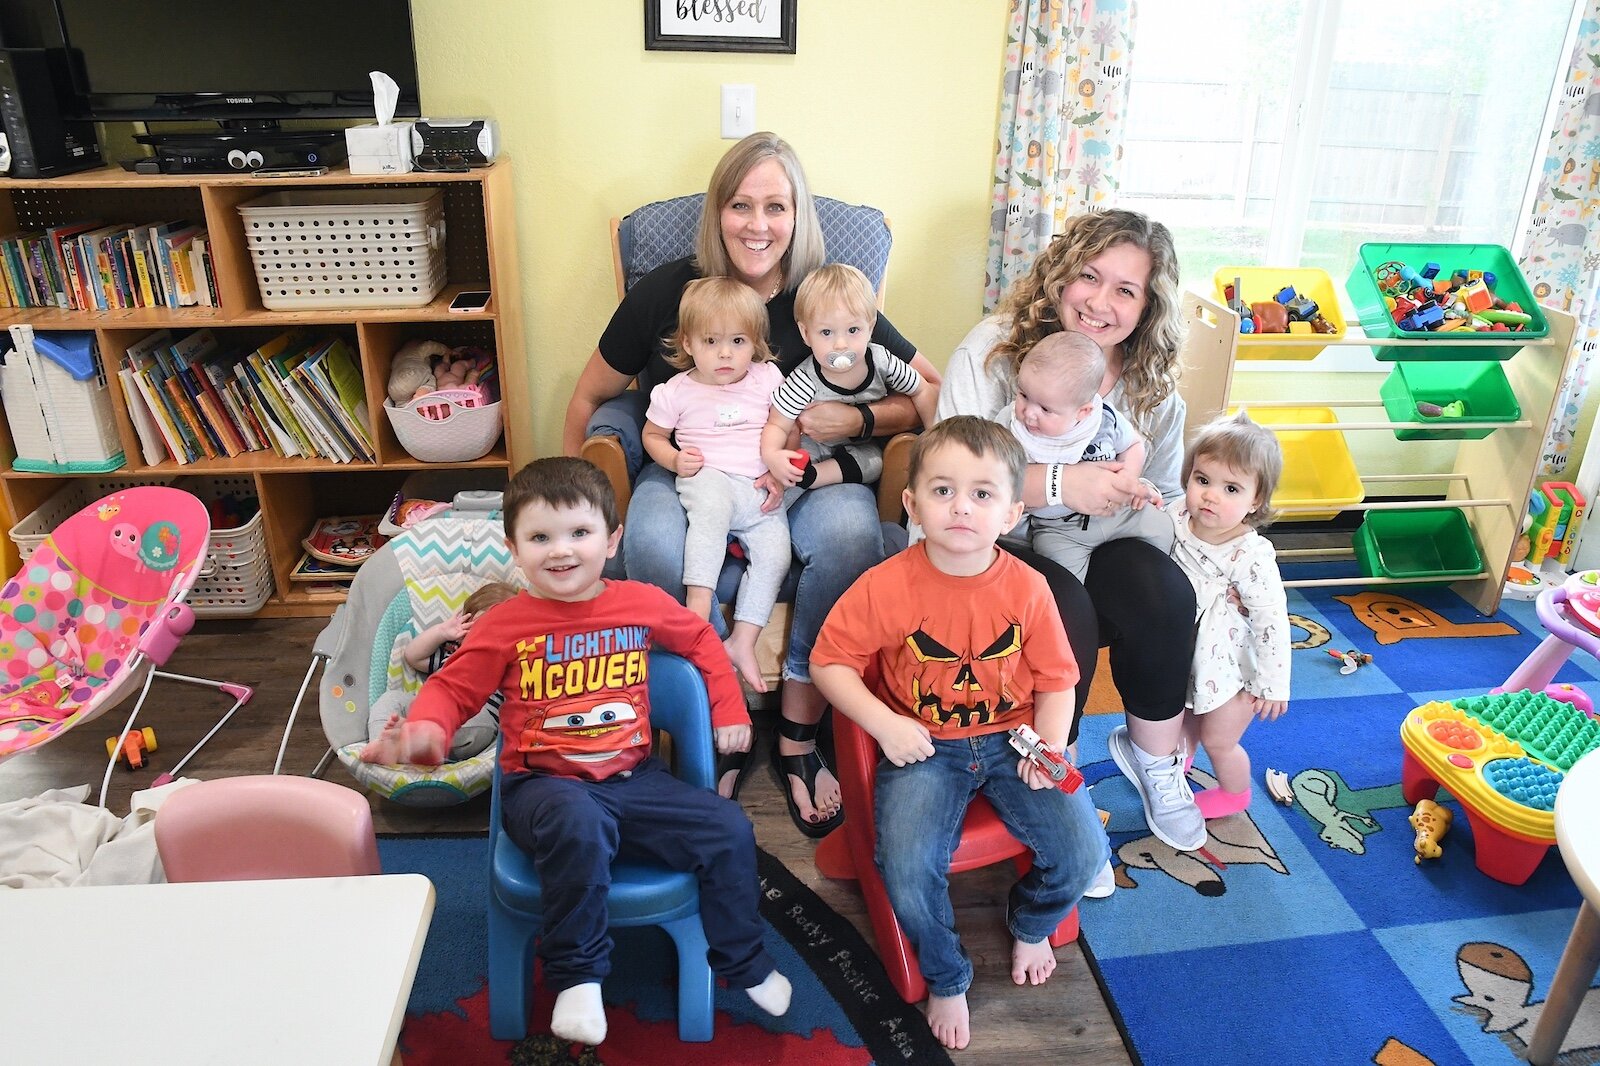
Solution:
(1241, 657)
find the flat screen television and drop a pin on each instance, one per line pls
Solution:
(245, 64)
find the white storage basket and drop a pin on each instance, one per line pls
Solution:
(235, 579)
(31, 532)
(464, 433)
(347, 248)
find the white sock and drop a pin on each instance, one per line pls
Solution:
(771, 995)
(1156, 760)
(579, 1014)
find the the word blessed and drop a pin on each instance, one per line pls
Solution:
(722, 10)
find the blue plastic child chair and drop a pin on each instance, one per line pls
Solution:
(642, 893)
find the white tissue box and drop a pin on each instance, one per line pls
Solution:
(375, 149)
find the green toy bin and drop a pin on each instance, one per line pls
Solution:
(1510, 286)
(1482, 388)
(1423, 543)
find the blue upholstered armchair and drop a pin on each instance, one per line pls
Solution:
(660, 232)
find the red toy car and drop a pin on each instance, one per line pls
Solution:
(1048, 759)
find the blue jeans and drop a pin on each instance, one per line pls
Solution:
(574, 828)
(920, 809)
(834, 531)
(622, 417)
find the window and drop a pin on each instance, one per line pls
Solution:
(1290, 133)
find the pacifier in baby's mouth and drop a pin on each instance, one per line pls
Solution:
(842, 360)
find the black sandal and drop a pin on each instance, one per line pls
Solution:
(738, 763)
(805, 766)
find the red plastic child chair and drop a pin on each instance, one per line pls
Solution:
(846, 855)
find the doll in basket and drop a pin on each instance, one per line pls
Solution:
(424, 367)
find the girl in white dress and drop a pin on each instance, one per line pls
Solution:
(1241, 654)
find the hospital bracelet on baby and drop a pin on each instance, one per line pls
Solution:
(1052, 484)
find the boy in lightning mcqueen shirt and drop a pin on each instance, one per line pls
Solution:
(581, 787)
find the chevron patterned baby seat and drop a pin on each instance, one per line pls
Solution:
(72, 616)
(419, 578)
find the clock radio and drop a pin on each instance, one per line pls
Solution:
(454, 143)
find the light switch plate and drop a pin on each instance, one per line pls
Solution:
(738, 111)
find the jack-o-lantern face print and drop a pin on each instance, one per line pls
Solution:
(970, 690)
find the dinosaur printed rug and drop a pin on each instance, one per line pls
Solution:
(1311, 935)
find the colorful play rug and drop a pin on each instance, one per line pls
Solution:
(844, 1013)
(1311, 935)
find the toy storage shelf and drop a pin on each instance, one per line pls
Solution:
(1490, 479)
(481, 253)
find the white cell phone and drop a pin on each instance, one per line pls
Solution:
(466, 303)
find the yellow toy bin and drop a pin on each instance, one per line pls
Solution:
(1264, 283)
(1317, 468)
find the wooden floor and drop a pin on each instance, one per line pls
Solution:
(1065, 1021)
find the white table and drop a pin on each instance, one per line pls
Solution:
(1578, 834)
(314, 970)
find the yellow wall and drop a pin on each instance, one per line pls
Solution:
(888, 102)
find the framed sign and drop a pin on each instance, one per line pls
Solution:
(719, 25)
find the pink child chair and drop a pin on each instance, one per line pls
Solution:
(265, 827)
(92, 612)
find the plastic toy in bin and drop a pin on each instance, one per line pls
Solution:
(1279, 314)
(1298, 308)
(1429, 292)
(1430, 301)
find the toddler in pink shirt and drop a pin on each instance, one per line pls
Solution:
(717, 408)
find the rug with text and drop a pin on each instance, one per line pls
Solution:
(844, 1012)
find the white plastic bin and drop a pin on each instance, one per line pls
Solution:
(338, 248)
(462, 434)
(235, 579)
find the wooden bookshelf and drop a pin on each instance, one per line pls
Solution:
(481, 253)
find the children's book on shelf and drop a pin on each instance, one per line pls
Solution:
(349, 540)
(91, 265)
(297, 395)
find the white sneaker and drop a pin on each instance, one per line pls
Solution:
(1104, 883)
(1169, 805)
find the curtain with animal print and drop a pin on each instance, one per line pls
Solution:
(1063, 97)
(1562, 250)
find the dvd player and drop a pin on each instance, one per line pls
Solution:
(222, 153)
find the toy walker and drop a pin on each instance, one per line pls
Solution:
(1571, 615)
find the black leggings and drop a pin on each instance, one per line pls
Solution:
(1137, 602)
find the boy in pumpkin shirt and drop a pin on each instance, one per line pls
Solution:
(581, 787)
(962, 642)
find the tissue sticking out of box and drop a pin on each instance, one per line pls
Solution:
(385, 96)
(383, 148)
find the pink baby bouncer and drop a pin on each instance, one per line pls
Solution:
(92, 613)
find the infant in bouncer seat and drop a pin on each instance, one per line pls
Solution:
(426, 652)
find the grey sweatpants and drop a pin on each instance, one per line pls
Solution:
(719, 504)
(868, 456)
(1071, 539)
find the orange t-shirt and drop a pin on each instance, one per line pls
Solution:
(963, 654)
